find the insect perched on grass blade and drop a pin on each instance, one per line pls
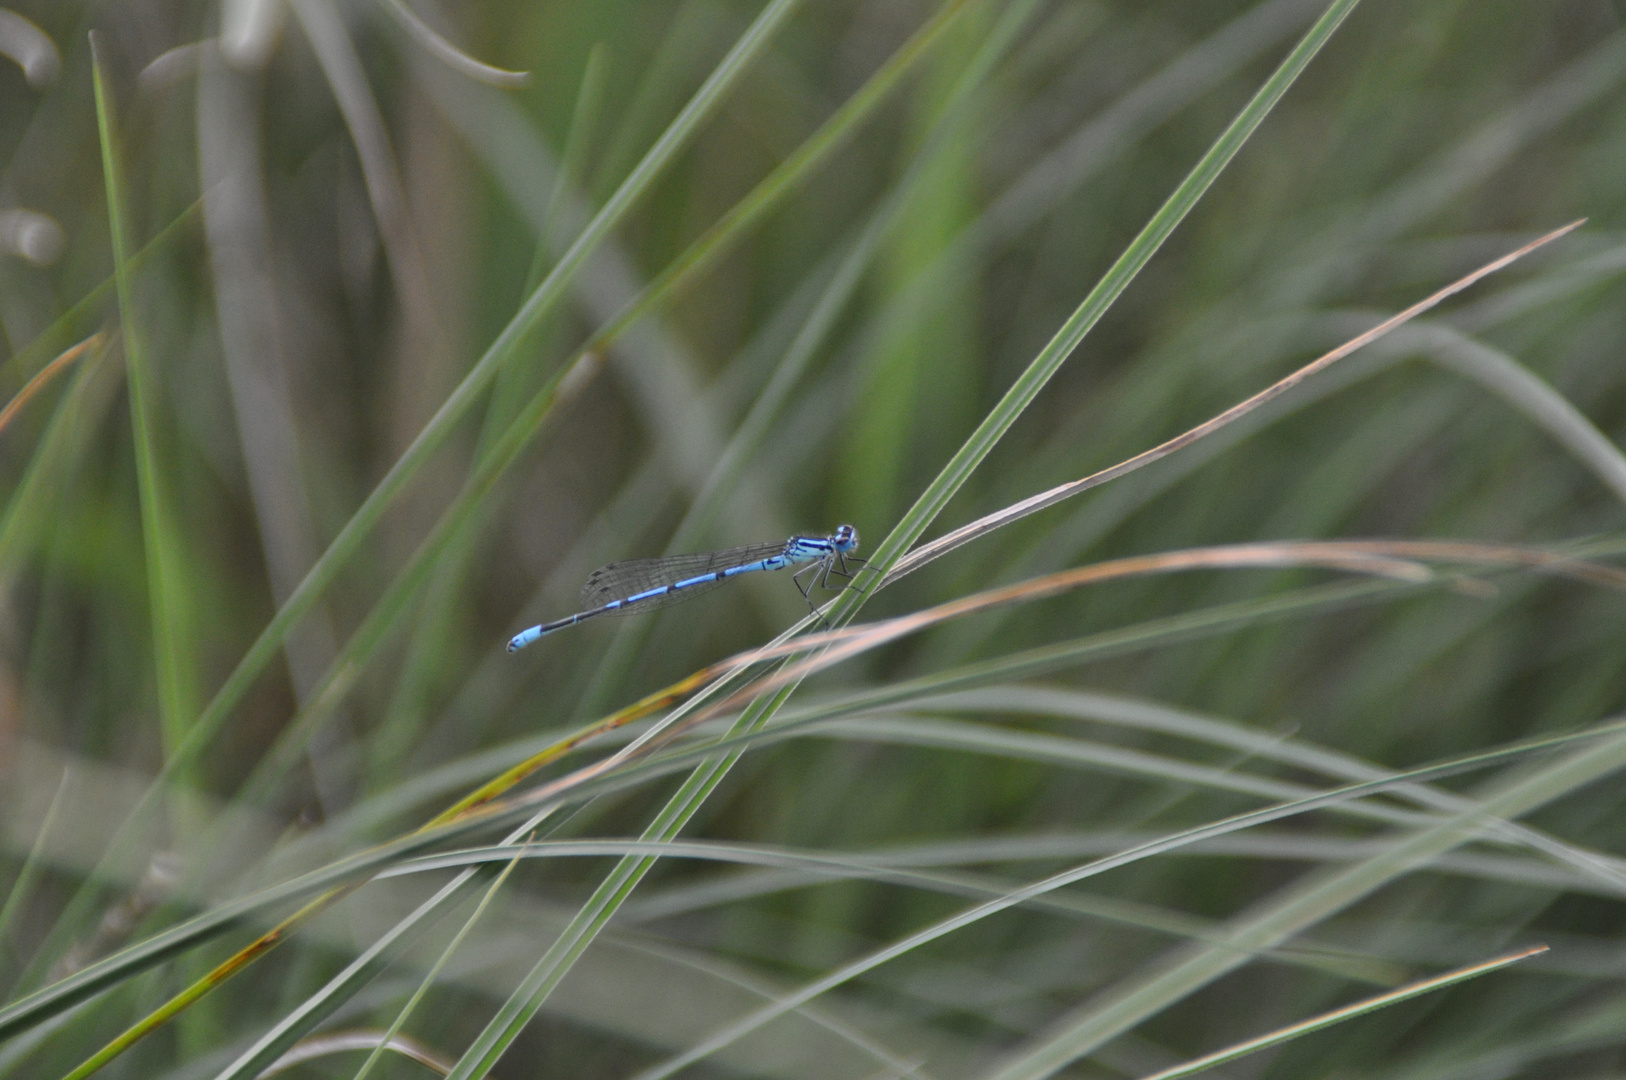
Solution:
(639, 585)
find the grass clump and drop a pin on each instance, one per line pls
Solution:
(345, 339)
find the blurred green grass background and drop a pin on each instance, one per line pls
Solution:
(336, 221)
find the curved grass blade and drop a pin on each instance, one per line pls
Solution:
(52, 1000)
(549, 794)
(1532, 395)
(557, 961)
(450, 54)
(343, 1042)
(1231, 955)
(1347, 1012)
(1106, 291)
(1451, 349)
(522, 1005)
(433, 972)
(457, 404)
(351, 536)
(1303, 905)
(815, 867)
(981, 527)
(1593, 867)
(1396, 559)
(291, 1027)
(43, 377)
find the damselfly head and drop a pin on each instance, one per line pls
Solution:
(845, 538)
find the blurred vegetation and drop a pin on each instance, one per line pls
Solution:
(373, 301)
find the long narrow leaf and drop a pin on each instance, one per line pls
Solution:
(157, 530)
(1347, 1012)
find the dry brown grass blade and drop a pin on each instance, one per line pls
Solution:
(45, 375)
(982, 526)
(342, 1042)
(1399, 559)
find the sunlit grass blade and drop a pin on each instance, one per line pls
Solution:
(1347, 1012)
(981, 527)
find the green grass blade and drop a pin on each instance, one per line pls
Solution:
(435, 968)
(299, 1021)
(1234, 952)
(350, 538)
(22, 886)
(1034, 503)
(80, 319)
(850, 272)
(456, 406)
(785, 869)
(1302, 906)
(773, 189)
(1117, 278)
(37, 1007)
(162, 544)
(1348, 1012)
(551, 969)
(1532, 395)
